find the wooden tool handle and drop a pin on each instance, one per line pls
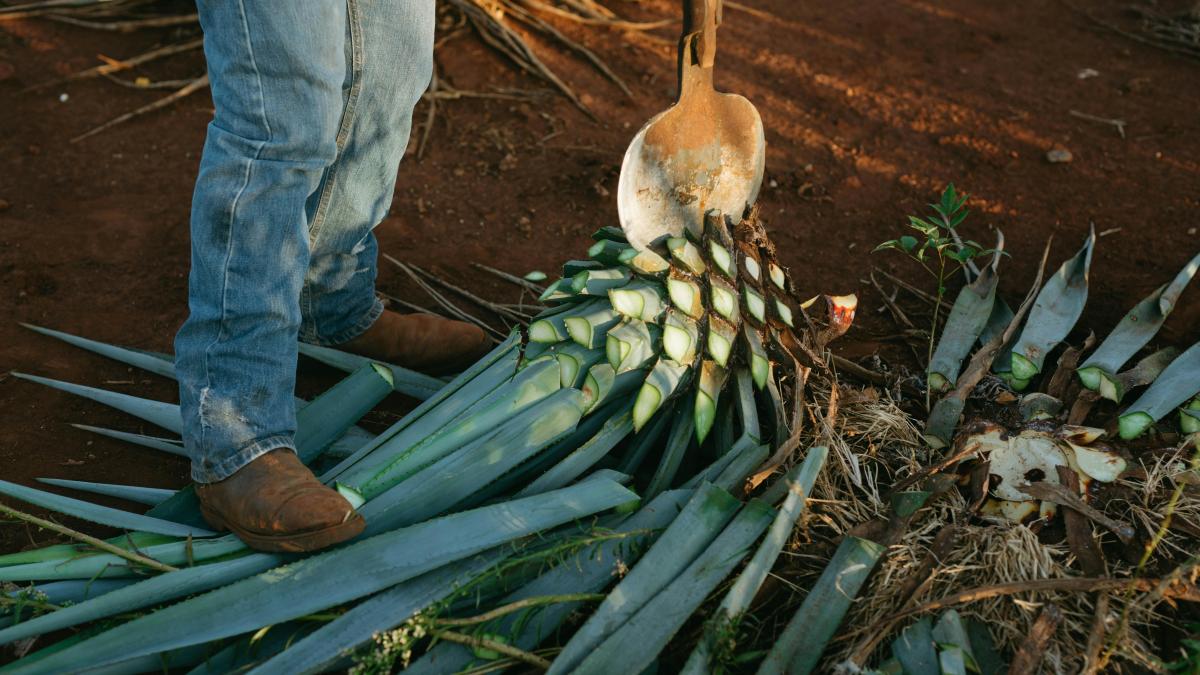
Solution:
(698, 43)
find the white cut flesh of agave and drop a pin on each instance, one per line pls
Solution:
(1020, 459)
(1098, 464)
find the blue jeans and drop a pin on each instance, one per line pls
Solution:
(314, 102)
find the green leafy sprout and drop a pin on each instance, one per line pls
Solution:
(939, 250)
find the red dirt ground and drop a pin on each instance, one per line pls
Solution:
(870, 108)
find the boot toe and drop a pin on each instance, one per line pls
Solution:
(311, 510)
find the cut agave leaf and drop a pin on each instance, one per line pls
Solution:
(782, 312)
(610, 233)
(799, 647)
(662, 381)
(601, 281)
(915, 649)
(708, 390)
(760, 363)
(1054, 313)
(150, 362)
(574, 362)
(638, 300)
(630, 345)
(678, 441)
(335, 411)
(319, 582)
(1178, 383)
(559, 291)
(687, 254)
(967, 319)
(1136, 329)
(573, 267)
(756, 305)
(405, 381)
(100, 514)
(586, 572)
(778, 276)
(645, 262)
(589, 329)
(721, 336)
(583, 458)
(681, 337)
(636, 644)
(1189, 417)
(688, 536)
(141, 495)
(1146, 371)
(163, 444)
(685, 295)
(107, 565)
(725, 300)
(165, 415)
(553, 328)
(607, 251)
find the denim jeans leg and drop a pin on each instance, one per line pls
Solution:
(277, 71)
(390, 56)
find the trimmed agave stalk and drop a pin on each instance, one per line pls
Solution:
(664, 378)
(636, 644)
(631, 345)
(966, 322)
(687, 254)
(590, 328)
(709, 384)
(639, 300)
(799, 483)
(680, 337)
(685, 294)
(1057, 308)
(723, 299)
(1138, 327)
(1189, 416)
(646, 262)
(1178, 383)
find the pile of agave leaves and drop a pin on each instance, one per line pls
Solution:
(662, 471)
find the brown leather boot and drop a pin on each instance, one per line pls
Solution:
(275, 503)
(421, 342)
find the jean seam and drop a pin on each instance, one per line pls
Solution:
(246, 454)
(317, 225)
(233, 204)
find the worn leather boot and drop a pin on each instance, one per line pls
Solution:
(422, 342)
(275, 503)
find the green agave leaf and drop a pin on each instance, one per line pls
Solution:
(335, 411)
(141, 495)
(607, 251)
(915, 649)
(1136, 329)
(585, 457)
(1143, 373)
(1189, 417)
(688, 536)
(574, 362)
(242, 654)
(746, 405)
(634, 646)
(100, 514)
(1179, 382)
(586, 572)
(74, 591)
(165, 415)
(803, 640)
(724, 300)
(155, 363)
(553, 328)
(632, 345)
(162, 444)
(573, 267)
(600, 281)
(966, 322)
(799, 483)
(645, 262)
(678, 441)
(610, 233)
(393, 462)
(320, 581)
(459, 475)
(742, 465)
(646, 439)
(680, 337)
(744, 445)
(320, 650)
(152, 591)
(126, 541)
(405, 381)
(1054, 313)
(721, 338)
(106, 565)
(484, 378)
(559, 291)
(685, 295)
(708, 390)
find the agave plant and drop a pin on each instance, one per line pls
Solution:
(1025, 460)
(651, 367)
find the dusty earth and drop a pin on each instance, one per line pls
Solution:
(870, 108)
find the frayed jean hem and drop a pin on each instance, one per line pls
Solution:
(218, 471)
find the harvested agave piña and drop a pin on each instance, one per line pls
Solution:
(629, 367)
